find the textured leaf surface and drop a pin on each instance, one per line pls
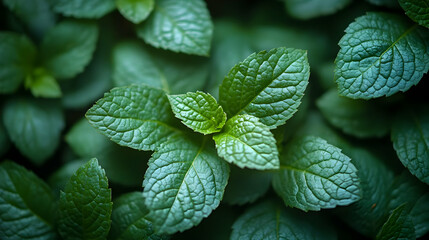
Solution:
(136, 116)
(27, 205)
(83, 8)
(184, 183)
(17, 58)
(313, 8)
(34, 126)
(381, 54)
(398, 226)
(179, 25)
(417, 10)
(267, 85)
(359, 118)
(410, 137)
(85, 205)
(247, 142)
(135, 10)
(314, 174)
(199, 111)
(65, 53)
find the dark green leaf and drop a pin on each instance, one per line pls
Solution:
(4, 140)
(83, 8)
(59, 179)
(417, 10)
(306, 9)
(135, 10)
(398, 226)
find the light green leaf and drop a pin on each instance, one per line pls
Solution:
(64, 53)
(184, 183)
(247, 142)
(398, 226)
(359, 118)
(27, 205)
(179, 25)
(314, 174)
(129, 219)
(269, 220)
(85, 205)
(42, 84)
(307, 9)
(381, 54)
(417, 10)
(83, 8)
(410, 137)
(17, 58)
(34, 126)
(135, 10)
(267, 85)
(199, 111)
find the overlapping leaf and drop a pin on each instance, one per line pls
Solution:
(417, 10)
(398, 226)
(135, 10)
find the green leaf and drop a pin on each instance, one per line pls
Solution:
(247, 142)
(179, 25)
(42, 84)
(129, 219)
(85, 205)
(199, 111)
(17, 58)
(184, 183)
(355, 117)
(269, 220)
(417, 10)
(314, 174)
(410, 137)
(135, 116)
(381, 54)
(64, 53)
(4, 140)
(135, 10)
(398, 226)
(267, 85)
(34, 126)
(59, 179)
(83, 8)
(308, 9)
(27, 205)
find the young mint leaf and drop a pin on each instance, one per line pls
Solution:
(64, 53)
(410, 137)
(85, 205)
(313, 8)
(381, 54)
(135, 10)
(247, 142)
(17, 58)
(42, 84)
(267, 85)
(184, 183)
(34, 126)
(136, 116)
(269, 220)
(27, 205)
(417, 10)
(179, 25)
(355, 117)
(398, 226)
(314, 174)
(199, 111)
(83, 8)
(129, 219)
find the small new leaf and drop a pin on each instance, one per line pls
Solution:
(417, 10)
(42, 84)
(398, 226)
(135, 11)
(199, 111)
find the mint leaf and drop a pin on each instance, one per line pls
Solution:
(381, 54)
(199, 111)
(314, 174)
(247, 142)
(34, 126)
(83, 8)
(267, 85)
(27, 205)
(179, 25)
(85, 205)
(308, 9)
(410, 137)
(17, 58)
(42, 84)
(355, 117)
(417, 10)
(129, 219)
(135, 10)
(184, 183)
(64, 53)
(398, 226)
(136, 116)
